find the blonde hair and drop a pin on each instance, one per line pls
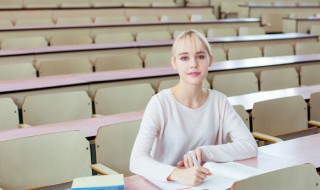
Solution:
(195, 37)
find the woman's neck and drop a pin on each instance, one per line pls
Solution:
(192, 96)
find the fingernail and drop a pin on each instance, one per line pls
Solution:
(209, 173)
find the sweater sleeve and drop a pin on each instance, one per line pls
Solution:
(242, 144)
(141, 161)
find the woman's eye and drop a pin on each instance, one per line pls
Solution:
(184, 58)
(202, 57)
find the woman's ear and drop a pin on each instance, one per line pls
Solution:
(210, 60)
(173, 62)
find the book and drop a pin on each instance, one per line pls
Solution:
(222, 178)
(99, 182)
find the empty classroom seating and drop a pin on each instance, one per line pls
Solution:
(168, 83)
(163, 4)
(278, 3)
(314, 106)
(110, 19)
(13, 71)
(281, 117)
(5, 23)
(235, 83)
(229, 9)
(9, 115)
(64, 66)
(104, 3)
(158, 59)
(202, 17)
(70, 39)
(114, 145)
(235, 53)
(136, 4)
(24, 43)
(277, 50)
(221, 32)
(34, 22)
(136, 19)
(243, 114)
(174, 18)
(56, 107)
(307, 3)
(75, 4)
(116, 62)
(219, 54)
(114, 37)
(247, 31)
(307, 48)
(197, 3)
(309, 74)
(153, 36)
(41, 4)
(42, 160)
(11, 4)
(73, 20)
(120, 99)
(315, 29)
(278, 79)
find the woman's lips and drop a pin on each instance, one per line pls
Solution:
(194, 74)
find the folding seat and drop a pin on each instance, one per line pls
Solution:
(118, 62)
(138, 19)
(243, 114)
(16, 71)
(221, 32)
(277, 50)
(305, 48)
(24, 43)
(136, 4)
(11, 4)
(121, 99)
(158, 59)
(34, 22)
(315, 29)
(219, 54)
(110, 19)
(309, 74)
(41, 3)
(114, 37)
(235, 83)
(9, 114)
(279, 79)
(314, 106)
(278, 3)
(153, 36)
(248, 31)
(75, 3)
(104, 3)
(74, 21)
(202, 17)
(70, 39)
(163, 4)
(229, 9)
(174, 18)
(235, 53)
(197, 3)
(6, 23)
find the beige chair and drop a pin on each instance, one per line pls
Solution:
(243, 114)
(306, 3)
(24, 43)
(56, 107)
(174, 18)
(307, 48)
(11, 4)
(153, 36)
(137, 19)
(34, 22)
(236, 83)
(119, 37)
(202, 17)
(168, 83)
(70, 39)
(6, 23)
(301, 15)
(277, 50)
(163, 4)
(309, 74)
(110, 19)
(314, 106)
(136, 4)
(120, 99)
(229, 9)
(247, 31)
(235, 53)
(114, 145)
(197, 3)
(302, 176)
(284, 118)
(15, 71)
(75, 4)
(74, 21)
(282, 3)
(41, 4)
(64, 66)
(104, 3)
(279, 79)
(117, 62)
(257, 3)
(219, 54)
(221, 32)
(43, 160)
(9, 114)
(315, 29)
(158, 59)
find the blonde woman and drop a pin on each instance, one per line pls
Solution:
(188, 118)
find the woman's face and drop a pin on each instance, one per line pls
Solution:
(192, 61)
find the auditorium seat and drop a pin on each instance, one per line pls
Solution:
(11, 4)
(197, 3)
(158, 59)
(174, 18)
(221, 32)
(41, 109)
(110, 19)
(163, 4)
(282, 3)
(236, 53)
(41, 4)
(235, 83)
(284, 118)
(34, 22)
(314, 106)
(278, 79)
(104, 3)
(70, 39)
(202, 17)
(123, 98)
(6, 23)
(243, 114)
(75, 4)
(118, 37)
(229, 9)
(153, 35)
(113, 145)
(309, 74)
(15, 71)
(117, 62)
(315, 29)
(277, 50)
(24, 43)
(137, 19)
(307, 48)
(168, 83)
(42, 160)
(64, 66)
(248, 31)
(9, 114)
(73, 20)
(219, 54)
(307, 3)
(136, 4)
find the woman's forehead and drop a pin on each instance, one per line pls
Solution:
(192, 44)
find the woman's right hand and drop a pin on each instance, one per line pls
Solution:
(189, 176)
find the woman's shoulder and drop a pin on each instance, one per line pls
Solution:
(216, 94)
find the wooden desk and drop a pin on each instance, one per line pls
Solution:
(273, 14)
(299, 25)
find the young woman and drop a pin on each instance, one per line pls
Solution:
(187, 118)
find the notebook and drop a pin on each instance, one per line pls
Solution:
(101, 182)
